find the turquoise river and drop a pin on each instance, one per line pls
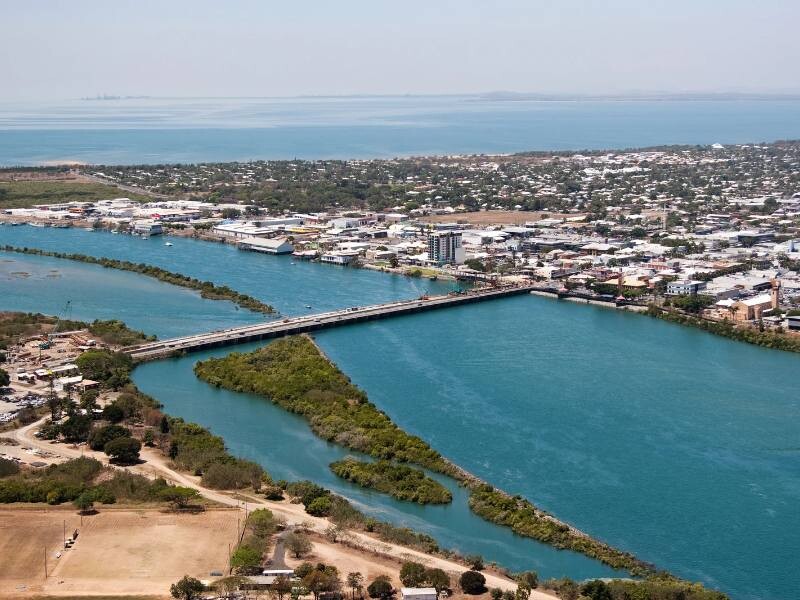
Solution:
(674, 444)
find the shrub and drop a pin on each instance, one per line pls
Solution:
(8, 467)
(320, 507)
(123, 450)
(100, 436)
(472, 582)
(298, 544)
(188, 588)
(381, 587)
(412, 574)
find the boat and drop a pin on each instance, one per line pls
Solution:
(308, 306)
(168, 244)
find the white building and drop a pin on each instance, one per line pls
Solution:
(444, 248)
(147, 228)
(260, 228)
(342, 257)
(268, 246)
(683, 287)
(418, 593)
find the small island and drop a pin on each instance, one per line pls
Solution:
(399, 481)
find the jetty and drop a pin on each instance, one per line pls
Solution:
(326, 320)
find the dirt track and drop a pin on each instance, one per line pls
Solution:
(375, 554)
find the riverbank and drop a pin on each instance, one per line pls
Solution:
(295, 374)
(207, 289)
(740, 333)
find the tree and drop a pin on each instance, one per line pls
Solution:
(149, 438)
(110, 368)
(496, 593)
(187, 588)
(355, 581)
(596, 590)
(179, 496)
(438, 579)
(472, 582)
(76, 428)
(262, 522)
(5, 378)
(100, 436)
(246, 560)
(113, 413)
(381, 587)
(88, 400)
(298, 544)
(527, 580)
(412, 574)
(123, 450)
(304, 569)
(84, 503)
(322, 580)
(281, 586)
(475, 562)
(319, 507)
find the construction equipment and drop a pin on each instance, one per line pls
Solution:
(63, 316)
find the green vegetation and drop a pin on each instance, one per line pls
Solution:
(67, 481)
(111, 369)
(258, 528)
(15, 326)
(298, 544)
(188, 588)
(24, 194)
(293, 374)
(414, 574)
(525, 519)
(345, 515)
(381, 587)
(195, 449)
(693, 303)
(207, 289)
(123, 450)
(649, 589)
(472, 582)
(741, 333)
(399, 481)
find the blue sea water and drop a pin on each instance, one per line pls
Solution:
(198, 130)
(666, 441)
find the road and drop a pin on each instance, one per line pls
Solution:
(337, 318)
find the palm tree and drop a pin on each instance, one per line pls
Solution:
(355, 581)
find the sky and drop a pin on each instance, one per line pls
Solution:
(58, 49)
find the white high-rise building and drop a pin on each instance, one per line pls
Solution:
(444, 248)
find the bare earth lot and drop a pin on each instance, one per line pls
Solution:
(118, 551)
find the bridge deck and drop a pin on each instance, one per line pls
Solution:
(279, 328)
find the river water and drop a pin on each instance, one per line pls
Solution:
(677, 445)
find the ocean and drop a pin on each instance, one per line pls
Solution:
(148, 131)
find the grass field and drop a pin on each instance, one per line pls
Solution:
(118, 551)
(24, 194)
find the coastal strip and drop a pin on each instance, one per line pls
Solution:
(207, 289)
(296, 375)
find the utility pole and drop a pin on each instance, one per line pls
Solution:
(65, 534)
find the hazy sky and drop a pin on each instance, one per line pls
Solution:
(54, 49)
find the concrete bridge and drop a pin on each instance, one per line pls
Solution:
(294, 325)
